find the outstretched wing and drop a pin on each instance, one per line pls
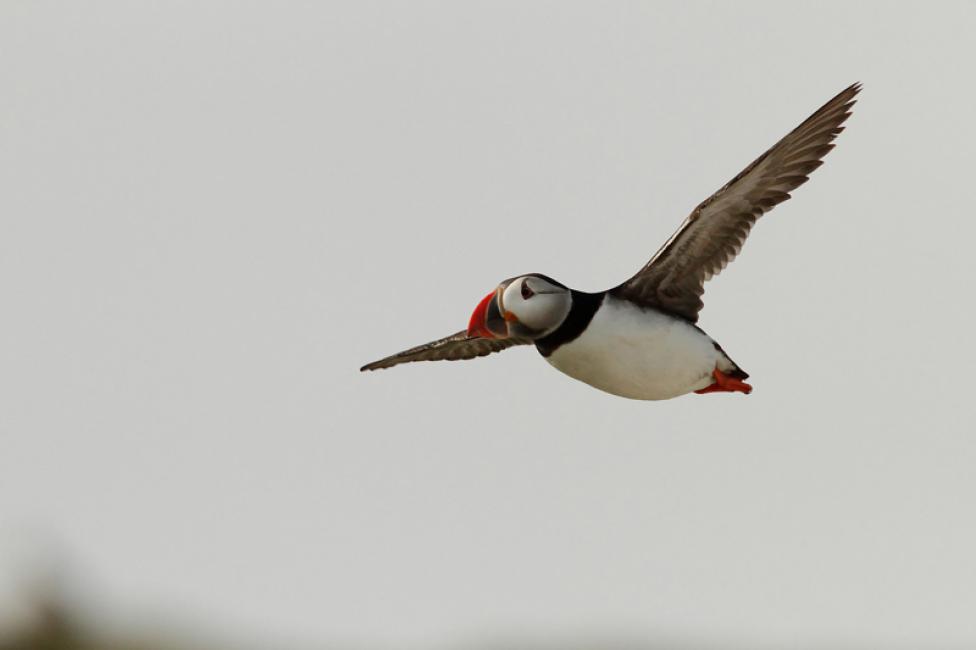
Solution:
(451, 348)
(715, 231)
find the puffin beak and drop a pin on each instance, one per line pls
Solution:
(487, 320)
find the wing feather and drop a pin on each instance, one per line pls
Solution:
(450, 348)
(714, 233)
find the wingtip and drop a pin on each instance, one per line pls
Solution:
(375, 365)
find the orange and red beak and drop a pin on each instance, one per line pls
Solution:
(488, 320)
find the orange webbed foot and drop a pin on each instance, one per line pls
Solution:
(725, 384)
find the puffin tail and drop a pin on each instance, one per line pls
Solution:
(727, 380)
(737, 372)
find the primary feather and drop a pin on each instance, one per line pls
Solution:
(450, 348)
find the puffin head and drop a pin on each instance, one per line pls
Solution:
(529, 306)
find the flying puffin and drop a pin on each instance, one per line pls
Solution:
(639, 339)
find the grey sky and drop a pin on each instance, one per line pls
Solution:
(212, 214)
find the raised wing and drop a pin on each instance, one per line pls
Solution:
(451, 348)
(715, 231)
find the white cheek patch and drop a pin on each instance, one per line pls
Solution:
(540, 312)
(512, 299)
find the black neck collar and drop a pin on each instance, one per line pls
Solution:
(579, 316)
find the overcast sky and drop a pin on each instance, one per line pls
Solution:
(213, 213)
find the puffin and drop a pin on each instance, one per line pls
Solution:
(640, 339)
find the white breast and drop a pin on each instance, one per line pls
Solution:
(640, 353)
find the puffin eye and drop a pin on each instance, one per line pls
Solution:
(526, 291)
